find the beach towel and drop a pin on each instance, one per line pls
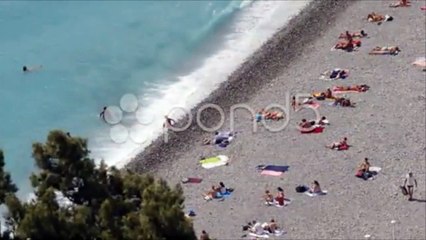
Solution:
(423, 8)
(317, 129)
(324, 192)
(267, 234)
(286, 203)
(212, 162)
(192, 180)
(271, 173)
(276, 168)
(314, 105)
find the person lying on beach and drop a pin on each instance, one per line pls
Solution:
(293, 103)
(378, 18)
(358, 88)
(315, 187)
(420, 62)
(347, 35)
(347, 45)
(401, 3)
(392, 50)
(364, 170)
(269, 115)
(27, 69)
(344, 102)
(339, 145)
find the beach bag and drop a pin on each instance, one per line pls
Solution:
(301, 189)
(404, 190)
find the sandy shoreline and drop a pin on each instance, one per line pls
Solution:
(387, 126)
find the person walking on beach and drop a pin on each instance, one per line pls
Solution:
(410, 182)
(168, 122)
(102, 114)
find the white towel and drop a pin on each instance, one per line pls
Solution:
(324, 192)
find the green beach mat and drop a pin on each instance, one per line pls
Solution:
(210, 160)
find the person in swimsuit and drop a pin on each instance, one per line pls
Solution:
(305, 124)
(168, 122)
(268, 197)
(102, 114)
(280, 197)
(364, 169)
(27, 69)
(340, 144)
(204, 235)
(315, 188)
(410, 182)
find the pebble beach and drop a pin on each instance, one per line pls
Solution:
(387, 126)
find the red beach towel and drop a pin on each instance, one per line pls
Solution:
(315, 130)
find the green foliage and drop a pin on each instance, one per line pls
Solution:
(105, 203)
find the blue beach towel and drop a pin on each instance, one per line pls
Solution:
(275, 168)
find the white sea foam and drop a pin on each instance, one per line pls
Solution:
(253, 25)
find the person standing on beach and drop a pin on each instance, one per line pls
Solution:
(410, 182)
(102, 114)
(168, 122)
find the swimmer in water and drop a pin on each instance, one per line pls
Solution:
(102, 114)
(31, 69)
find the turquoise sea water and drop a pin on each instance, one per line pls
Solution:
(93, 52)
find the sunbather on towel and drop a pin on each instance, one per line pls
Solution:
(420, 62)
(401, 3)
(359, 88)
(378, 18)
(338, 145)
(347, 35)
(348, 45)
(344, 102)
(363, 170)
(392, 50)
(315, 187)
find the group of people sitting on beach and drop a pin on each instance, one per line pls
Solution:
(258, 228)
(217, 192)
(271, 200)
